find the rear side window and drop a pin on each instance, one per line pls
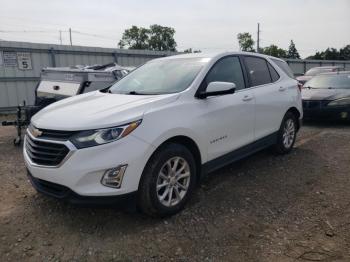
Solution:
(258, 71)
(227, 69)
(285, 67)
(274, 75)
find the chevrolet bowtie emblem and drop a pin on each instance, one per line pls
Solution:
(36, 132)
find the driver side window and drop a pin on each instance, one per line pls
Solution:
(227, 69)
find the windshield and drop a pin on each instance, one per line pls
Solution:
(341, 81)
(160, 77)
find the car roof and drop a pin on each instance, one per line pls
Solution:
(212, 55)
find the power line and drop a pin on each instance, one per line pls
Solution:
(93, 35)
(70, 31)
(55, 31)
(27, 31)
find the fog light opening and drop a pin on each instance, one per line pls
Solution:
(113, 177)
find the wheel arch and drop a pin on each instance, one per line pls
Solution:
(187, 142)
(296, 113)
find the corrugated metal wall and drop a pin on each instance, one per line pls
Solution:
(18, 84)
(299, 67)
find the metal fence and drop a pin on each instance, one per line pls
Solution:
(299, 66)
(21, 63)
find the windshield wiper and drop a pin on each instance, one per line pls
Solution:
(128, 93)
(310, 87)
(322, 87)
(135, 93)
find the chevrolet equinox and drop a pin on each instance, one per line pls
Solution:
(153, 134)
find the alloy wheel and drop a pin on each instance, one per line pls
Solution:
(288, 133)
(173, 181)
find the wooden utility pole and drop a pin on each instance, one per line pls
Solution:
(60, 37)
(258, 40)
(70, 36)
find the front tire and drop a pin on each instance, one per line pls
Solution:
(287, 134)
(168, 181)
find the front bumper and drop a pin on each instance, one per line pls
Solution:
(320, 111)
(64, 193)
(83, 170)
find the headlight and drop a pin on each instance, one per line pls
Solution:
(340, 102)
(102, 136)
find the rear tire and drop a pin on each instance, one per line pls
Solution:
(287, 134)
(168, 181)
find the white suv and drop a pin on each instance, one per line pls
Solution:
(153, 134)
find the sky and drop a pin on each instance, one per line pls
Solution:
(207, 25)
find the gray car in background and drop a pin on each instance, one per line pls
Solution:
(316, 71)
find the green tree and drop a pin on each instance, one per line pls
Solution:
(161, 38)
(246, 42)
(157, 37)
(332, 54)
(135, 38)
(317, 56)
(292, 51)
(344, 53)
(274, 50)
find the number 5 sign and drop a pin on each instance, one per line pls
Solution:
(24, 61)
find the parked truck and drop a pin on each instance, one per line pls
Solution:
(57, 83)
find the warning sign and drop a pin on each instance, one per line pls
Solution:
(24, 61)
(10, 59)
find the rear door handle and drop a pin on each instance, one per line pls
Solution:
(282, 88)
(247, 98)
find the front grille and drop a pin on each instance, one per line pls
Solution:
(45, 153)
(56, 134)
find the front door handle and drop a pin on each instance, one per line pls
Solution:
(282, 88)
(247, 98)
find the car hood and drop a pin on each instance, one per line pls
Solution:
(324, 94)
(97, 110)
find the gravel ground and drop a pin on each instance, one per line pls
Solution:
(263, 208)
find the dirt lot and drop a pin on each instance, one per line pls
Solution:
(264, 208)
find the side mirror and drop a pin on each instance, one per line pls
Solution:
(218, 88)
